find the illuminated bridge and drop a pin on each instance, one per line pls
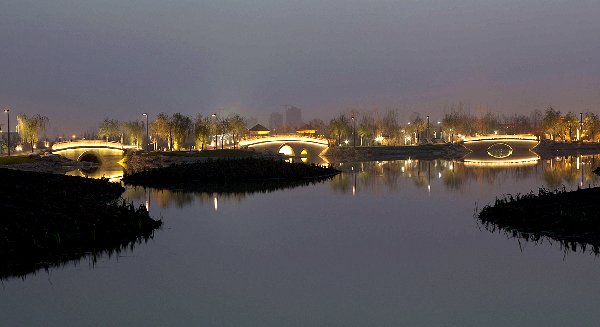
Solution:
(295, 146)
(501, 149)
(98, 151)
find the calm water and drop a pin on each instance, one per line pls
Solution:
(383, 244)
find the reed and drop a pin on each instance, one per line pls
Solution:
(48, 217)
(571, 218)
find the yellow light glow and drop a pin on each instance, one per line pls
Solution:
(502, 162)
(287, 150)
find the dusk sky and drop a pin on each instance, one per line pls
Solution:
(77, 62)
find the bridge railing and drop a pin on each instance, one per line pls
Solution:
(284, 138)
(89, 144)
(491, 137)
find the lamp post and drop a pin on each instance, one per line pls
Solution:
(147, 138)
(580, 125)
(354, 132)
(215, 115)
(8, 127)
(427, 129)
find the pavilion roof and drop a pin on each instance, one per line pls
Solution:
(258, 128)
(306, 128)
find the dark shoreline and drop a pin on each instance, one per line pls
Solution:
(571, 218)
(228, 170)
(50, 218)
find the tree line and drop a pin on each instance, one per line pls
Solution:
(364, 128)
(176, 131)
(372, 127)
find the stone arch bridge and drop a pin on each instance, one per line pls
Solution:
(501, 149)
(294, 146)
(97, 151)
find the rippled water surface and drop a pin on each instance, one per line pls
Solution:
(383, 244)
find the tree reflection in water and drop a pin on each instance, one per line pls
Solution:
(566, 244)
(180, 196)
(383, 176)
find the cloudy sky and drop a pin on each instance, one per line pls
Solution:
(79, 61)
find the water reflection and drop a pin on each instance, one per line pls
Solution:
(21, 270)
(211, 193)
(111, 170)
(566, 244)
(384, 176)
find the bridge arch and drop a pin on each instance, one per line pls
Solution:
(287, 150)
(304, 153)
(91, 156)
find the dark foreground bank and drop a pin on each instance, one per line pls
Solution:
(229, 170)
(571, 218)
(46, 219)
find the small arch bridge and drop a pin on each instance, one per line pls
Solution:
(501, 149)
(294, 146)
(97, 151)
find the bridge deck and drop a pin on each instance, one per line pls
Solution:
(285, 139)
(90, 144)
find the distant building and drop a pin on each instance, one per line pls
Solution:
(293, 117)
(258, 130)
(275, 121)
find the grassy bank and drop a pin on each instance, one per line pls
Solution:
(48, 218)
(15, 160)
(401, 147)
(572, 218)
(222, 170)
(218, 153)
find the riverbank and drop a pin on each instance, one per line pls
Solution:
(51, 218)
(136, 161)
(228, 170)
(547, 149)
(444, 151)
(43, 163)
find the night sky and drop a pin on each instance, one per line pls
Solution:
(80, 61)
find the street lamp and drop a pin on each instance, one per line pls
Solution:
(215, 115)
(427, 128)
(8, 127)
(580, 126)
(354, 132)
(147, 138)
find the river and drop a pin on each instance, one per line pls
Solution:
(391, 243)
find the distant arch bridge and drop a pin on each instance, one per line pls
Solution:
(501, 149)
(294, 146)
(97, 151)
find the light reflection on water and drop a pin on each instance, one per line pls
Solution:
(384, 243)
